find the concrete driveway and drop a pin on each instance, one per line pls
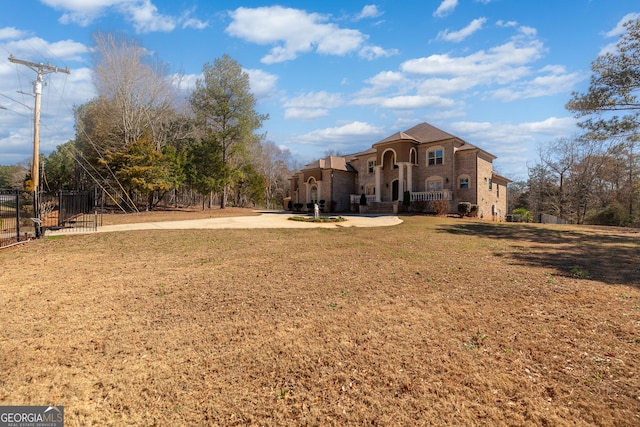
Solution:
(264, 220)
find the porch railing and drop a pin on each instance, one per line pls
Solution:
(427, 196)
(416, 196)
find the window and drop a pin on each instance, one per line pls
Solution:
(370, 190)
(435, 157)
(371, 164)
(490, 183)
(464, 182)
(434, 184)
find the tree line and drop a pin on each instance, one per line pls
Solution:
(594, 177)
(143, 137)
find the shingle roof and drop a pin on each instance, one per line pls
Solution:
(330, 162)
(421, 133)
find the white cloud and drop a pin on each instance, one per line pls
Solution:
(293, 31)
(355, 131)
(556, 80)
(263, 84)
(7, 33)
(311, 105)
(305, 113)
(528, 31)
(617, 31)
(315, 99)
(64, 50)
(145, 17)
(506, 24)
(619, 28)
(445, 8)
(500, 64)
(413, 102)
(513, 143)
(493, 133)
(187, 21)
(458, 36)
(369, 11)
(374, 52)
(143, 14)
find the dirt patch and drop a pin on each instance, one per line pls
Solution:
(434, 321)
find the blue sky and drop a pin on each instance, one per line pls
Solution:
(332, 75)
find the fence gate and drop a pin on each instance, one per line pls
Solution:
(71, 211)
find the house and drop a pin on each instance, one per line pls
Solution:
(423, 163)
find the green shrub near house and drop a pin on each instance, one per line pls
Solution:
(464, 208)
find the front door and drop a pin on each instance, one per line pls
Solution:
(394, 190)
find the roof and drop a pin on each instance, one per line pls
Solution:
(421, 133)
(330, 162)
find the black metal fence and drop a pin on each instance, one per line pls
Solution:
(71, 211)
(17, 221)
(22, 219)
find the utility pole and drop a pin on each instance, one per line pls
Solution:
(40, 69)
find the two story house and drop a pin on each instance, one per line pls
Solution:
(423, 163)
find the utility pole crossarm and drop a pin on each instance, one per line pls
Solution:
(39, 67)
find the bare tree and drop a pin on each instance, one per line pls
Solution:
(276, 171)
(137, 85)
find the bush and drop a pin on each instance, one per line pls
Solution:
(440, 207)
(522, 215)
(363, 200)
(419, 206)
(615, 215)
(464, 208)
(406, 198)
(473, 211)
(289, 205)
(298, 206)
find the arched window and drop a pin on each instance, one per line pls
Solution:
(413, 156)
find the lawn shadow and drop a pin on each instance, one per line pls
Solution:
(610, 256)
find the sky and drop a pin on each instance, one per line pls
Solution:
(334, 76)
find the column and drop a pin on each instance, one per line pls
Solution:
(401, 181)
(378, 170)
(410, 177)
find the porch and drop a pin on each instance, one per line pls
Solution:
(380, 207)
(415, 196)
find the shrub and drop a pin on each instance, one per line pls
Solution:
(419, 206)
(464, 208)
(363, 200)
(473, 211)
(615, 215)
(298, 206)
(440, 207)
(406, 198)
(289, 205)
(522, 215)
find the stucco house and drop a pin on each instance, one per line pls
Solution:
(428, 163)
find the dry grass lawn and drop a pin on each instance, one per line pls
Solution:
(433, 322)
